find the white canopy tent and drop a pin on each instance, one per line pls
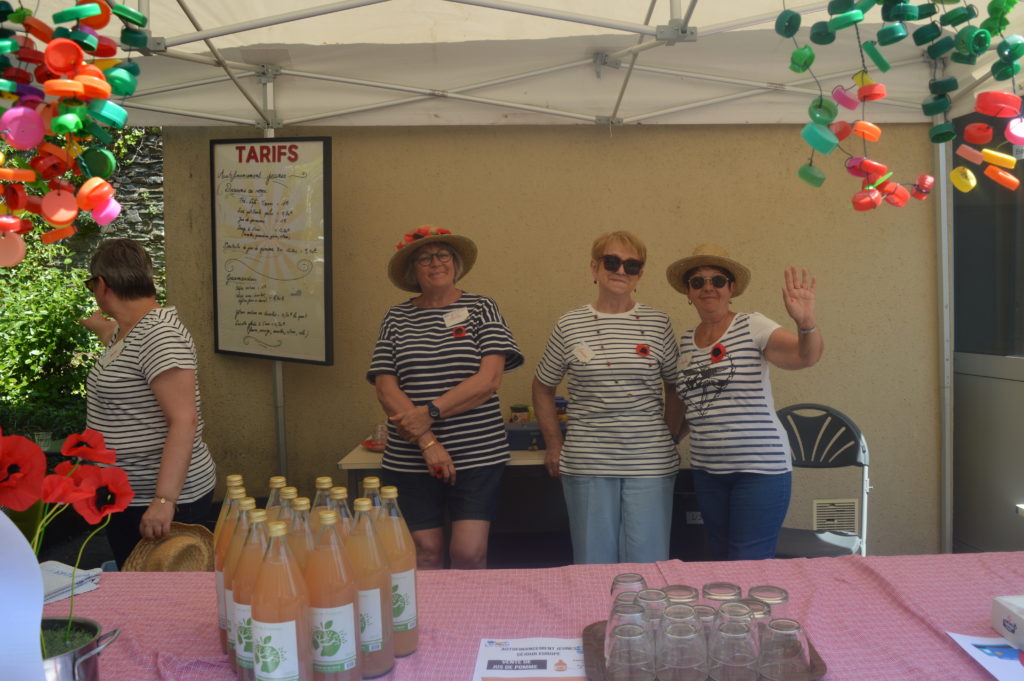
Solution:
(485, 62)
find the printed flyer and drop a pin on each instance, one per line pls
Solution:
(537, 659)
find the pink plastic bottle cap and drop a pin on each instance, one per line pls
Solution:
(106, 212)
(1014, 131)
(844, 98)
(22, 127)
(12, 249)
(59, 208)
(853, 166)
(969, 153)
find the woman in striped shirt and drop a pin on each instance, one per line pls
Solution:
(618, 463)
(739, 452)
(437, 366)
(143, 396)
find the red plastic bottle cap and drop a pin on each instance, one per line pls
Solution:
(1014, 130)
(106, 212)
(22, 127)
(26, 226)
(53, 150)
(873, 167)
(841, 129)
(997, 103)
(38, 29)
(898, 196)
(55, 235)
(59, 184)
(47, 166)
(90, 70)
(18, 75)
(867, 199)
(923, 187)
(59, 208)
(105, 47)
(24, 41)
(15, 196)
(866, 130)
(853, 166)
(871, 92)
(30, 55)
(34, 204)
(43, 74)
(93, 192)
(978, 133)
(10, 223)
(12, 249)
(97, 21)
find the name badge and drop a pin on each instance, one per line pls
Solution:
(111, 354)
(583, 353)
(456, 316)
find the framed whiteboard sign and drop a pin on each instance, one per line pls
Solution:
(272, 247)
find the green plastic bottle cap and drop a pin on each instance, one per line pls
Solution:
(787, 23)
(71, 105)
(839, 6)
(87, 41)
(97, 162)
(1011, 48)
(8, 45)
(995, 25)
(823, 110)
(903, 12)
(864, 5)
(943, 132)
(97, 132)
(122, 82)
(820, 35)
(108, 112)
(66, 124)
(128, 14)
(133, 37)
(1002, 70)
(845, 20)
(61, 32)
(1000, 8)
(932, 106)
(941, 47)
(77, 12)
(927, 33)
(8, 85)
(131, 67)
(811, 175)
(891, 34)
(926, 10)
(5, 10)
(819, 137)
(955, 17)
(961, 58)
(943, 86)
(871, 49)
(801, 59)
(973, 40)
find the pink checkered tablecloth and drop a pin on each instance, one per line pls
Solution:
(877, 618)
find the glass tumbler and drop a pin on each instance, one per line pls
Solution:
(627, 581)
(784, 651)
(676, 614)
(654, 602)
(716, 592)
(683, 654)
(706, 615)
(733, 652)
(775, 596)
(631, 657)
(681, 593)
(733, 611)
(623, 613)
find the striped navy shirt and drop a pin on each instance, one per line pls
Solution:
(121, 405)
(430, 351)
(616, 365)
(729, 404)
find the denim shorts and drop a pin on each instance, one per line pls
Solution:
(424, 499)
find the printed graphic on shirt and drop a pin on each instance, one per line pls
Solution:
(706, 376)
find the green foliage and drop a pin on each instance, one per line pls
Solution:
(47, 353)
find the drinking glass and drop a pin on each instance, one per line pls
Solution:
(676, 614)
(733, 652)
(627, 581)
(784, 651)
(760, 612)
(682, 655)
(716, 592)
(776, 597)
(623, 613)
(654, 602)
(733, 611)
(624, 597)
(631, 657)
(706, 615)
(681, 593)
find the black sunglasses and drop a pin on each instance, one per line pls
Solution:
(90, 283)
(718, 281)
(612, 263)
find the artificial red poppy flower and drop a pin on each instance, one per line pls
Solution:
(423, 231)
(717, 353)
(22, 468)
(442, 230)
(88, 445)
(111, 492)
(458, 332)
(643, 350)
(60, 489)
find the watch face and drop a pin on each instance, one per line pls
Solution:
(434, 412)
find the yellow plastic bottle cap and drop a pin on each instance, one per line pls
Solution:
(997, 158)
(963, 179)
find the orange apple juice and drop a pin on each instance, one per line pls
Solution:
(243, 582)
(276, 484)
(300, 537)
(220, 553)
(321, 501)
(334, 606)
(401, 555)
(245, 506)
(373, 579)
(229, 482)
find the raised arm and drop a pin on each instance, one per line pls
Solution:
(789, 350)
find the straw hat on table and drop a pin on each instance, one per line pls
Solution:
(186, 548)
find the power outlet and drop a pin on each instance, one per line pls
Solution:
(694, 518)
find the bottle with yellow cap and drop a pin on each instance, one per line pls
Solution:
(321, 500)
(371, 491)
(333, 606)
(300, 536)
(235, 494)
(229, 482)
(282, 644)
(276, 484)
(246, 505)
(243, 584)
(284, 509)
(373, 579)
(339, 502)
(401, 554)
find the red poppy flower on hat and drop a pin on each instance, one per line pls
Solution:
(458, 332)
(89, 445)
(643, 350)
(442, 230)
(60, 489)
(22, 468)
(423, 231)
(717, 353)
(111, 492)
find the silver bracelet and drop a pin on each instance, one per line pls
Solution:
(806, 331)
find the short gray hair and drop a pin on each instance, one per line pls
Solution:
(410, 267)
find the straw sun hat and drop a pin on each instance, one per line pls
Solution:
(186, 548)
(708, 255)
(417, 239)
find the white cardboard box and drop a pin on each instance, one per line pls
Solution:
(1008, 618)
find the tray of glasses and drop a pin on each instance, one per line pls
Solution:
(593, 656)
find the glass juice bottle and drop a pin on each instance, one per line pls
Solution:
(373, 578)
(371, 491)
(339, 503)
(242, 584)
(229, 482)
(300, 536)
(246, 505)
(277, 483)
(334, 606)
(284, 509)
(280, 614)
(220, 549)
(321, 501)
(401, 554)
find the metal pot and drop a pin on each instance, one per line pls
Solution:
(79, 664)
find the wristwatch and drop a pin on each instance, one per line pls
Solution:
(434, 412)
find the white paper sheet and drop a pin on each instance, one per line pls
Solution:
(57, 580)
(21, 592)
(995, 654)
(537, 659)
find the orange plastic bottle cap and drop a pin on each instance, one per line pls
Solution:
(17, 175)
(12, 249)
(96, 21)
(59, 207)
(60, 87)
(55, 235)
(38, 29)
(866, 130)
(95, 88)
(93, 192)
(1002, 177)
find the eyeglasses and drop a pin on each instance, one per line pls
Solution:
(612, 263)
(443, 257)
(718, 281)
(90, 283)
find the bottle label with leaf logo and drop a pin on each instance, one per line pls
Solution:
(371, 633)
(334, 638)
(403, 600)
(275, 651)
(243, 635)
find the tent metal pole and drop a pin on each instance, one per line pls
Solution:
(209, 61)
(130, 103)
(184, 86)
(759, 19)
(944, 227)
(676, 11)
(563, 16)
(263, 22)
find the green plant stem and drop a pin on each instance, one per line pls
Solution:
(71, 611)
(48, 517)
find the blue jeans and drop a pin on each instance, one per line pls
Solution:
(619, 520)
(742, 512)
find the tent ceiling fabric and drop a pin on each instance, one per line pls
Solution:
(444, 62)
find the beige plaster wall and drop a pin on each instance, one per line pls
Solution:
(533, 198)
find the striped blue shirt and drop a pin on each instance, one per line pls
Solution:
(616, 364)
(729, 404)
(121, 405)
(430, 351)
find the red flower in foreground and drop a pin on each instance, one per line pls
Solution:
(89, 445)
(110, 492)
(717, 353)
(643, 350)
(22, 467)
(458, 332)
(60, 489)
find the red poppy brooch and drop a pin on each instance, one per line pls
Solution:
(643, 350)
(717, 353)
(458, 332)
